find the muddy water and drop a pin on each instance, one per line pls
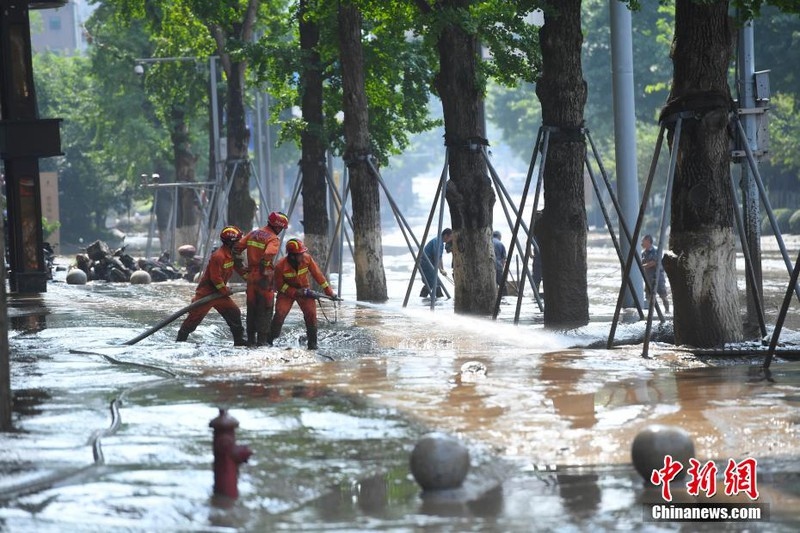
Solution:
(548, 421)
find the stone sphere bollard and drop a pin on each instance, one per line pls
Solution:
(76, 276)
(439, 462)
(140, 277)
(654, 442)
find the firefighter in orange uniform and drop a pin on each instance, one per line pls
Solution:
(214, 280)
(261, 245)
(292, 283)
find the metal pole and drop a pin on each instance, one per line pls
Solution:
(773, 343)
(421, 255)
(268, 157)
(5, 358)
(212, 66)
(751, 217)
(748, 262)
(261, 174)
(173, 245)
(505, 203)
(636, 229)
(147, 249)
(625, 129)
(765, 200)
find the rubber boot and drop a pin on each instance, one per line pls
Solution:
(238, 335)
(264, 324)
(311, 333)
(274, 333)
(183, 334)
(251, 327)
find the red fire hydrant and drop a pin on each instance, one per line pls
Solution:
(227, 455)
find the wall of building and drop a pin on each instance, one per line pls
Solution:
(48, 187)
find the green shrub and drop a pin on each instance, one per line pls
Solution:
(782, 216)
(794, 223)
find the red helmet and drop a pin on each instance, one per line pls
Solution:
(295, 246)
(278, 220)
(230, 234)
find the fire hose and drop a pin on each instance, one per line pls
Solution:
(177, 314)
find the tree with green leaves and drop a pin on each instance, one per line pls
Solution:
(702, 247)
(561, 231)
(122, 32)
(313, 140)
(391, 104)
(232, 26)
(456, 28)
(368, 249)
(87, 187)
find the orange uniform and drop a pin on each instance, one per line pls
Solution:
(214, 280)
(261, 246)
(292, 277)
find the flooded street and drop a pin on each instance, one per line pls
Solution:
(111, 437)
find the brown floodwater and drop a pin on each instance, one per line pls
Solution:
(548, 419)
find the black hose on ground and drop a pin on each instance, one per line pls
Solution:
(177, 314)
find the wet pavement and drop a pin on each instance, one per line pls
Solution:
(110, 437)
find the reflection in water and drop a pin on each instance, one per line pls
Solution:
(28, 402)
(28, 323)
(331, 440)
(580, 494)
(563, 391)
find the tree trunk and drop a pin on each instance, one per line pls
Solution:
(312, 161)
(241, 206)
(701, 263)
(368, 251)
(469, 191)
(562, 92)
(185, 168)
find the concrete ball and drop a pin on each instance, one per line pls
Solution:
(76, 276)
(140, 277)
(653, 443)
(439, 462)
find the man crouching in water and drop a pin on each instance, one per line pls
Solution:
(215, 278)
(292, 283)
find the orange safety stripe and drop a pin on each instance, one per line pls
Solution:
(257, 244)
(289, 275)
(228, 264)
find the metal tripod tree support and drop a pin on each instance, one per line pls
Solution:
(506, 202)
(677, 119)
(773, 343)
(441, 192)
(341, 198)
(172, 221)
(764, 198)
(341, 212)
(215, 212)
(542, 145)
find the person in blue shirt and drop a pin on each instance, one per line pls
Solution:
(653, 272)
(426, 266)
(499, 260)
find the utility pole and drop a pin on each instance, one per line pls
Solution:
(625, 130)
(750, 114)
